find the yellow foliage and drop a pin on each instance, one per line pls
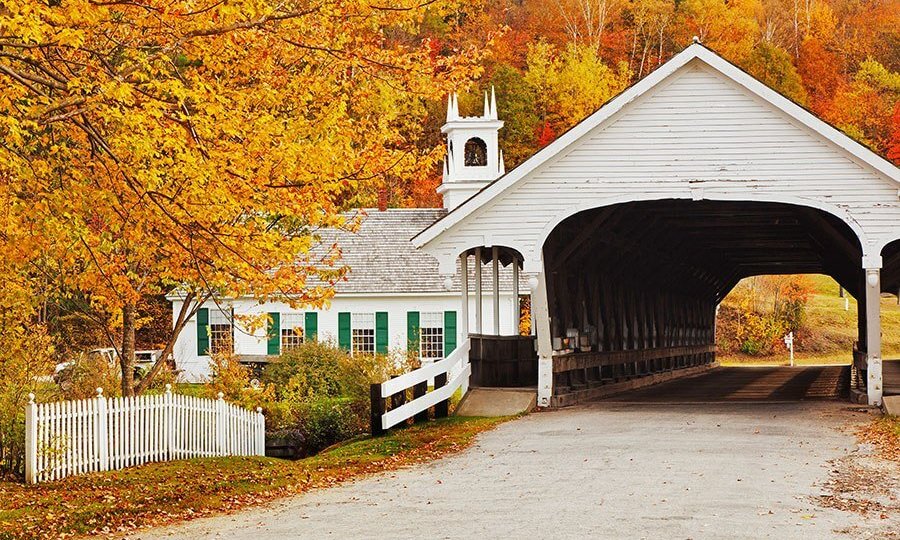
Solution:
(202, 144)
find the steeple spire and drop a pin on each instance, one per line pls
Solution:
(473, 157)
(493, 111)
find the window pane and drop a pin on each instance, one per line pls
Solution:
(362, 333)
(219, 338)
(363, 341)
(362, 320)
(431, 342)
(291, 330)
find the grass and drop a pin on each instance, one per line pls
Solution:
(832, 329)
(160, 493)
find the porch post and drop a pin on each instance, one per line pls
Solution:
(541, 316)
(464, 287)
(478, 290)
(873, 335)
(515, 297)
(495, 276)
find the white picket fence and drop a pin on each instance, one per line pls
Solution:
(66, 438)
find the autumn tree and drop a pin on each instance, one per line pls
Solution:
(772, 66)
(651, 21)
(200, 145)
(820, 72)
(571, 83)
(864, 107)
(731, 28)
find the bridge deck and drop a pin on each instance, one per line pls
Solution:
(890, 372)
(748, 384)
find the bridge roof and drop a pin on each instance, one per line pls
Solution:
(858, 157)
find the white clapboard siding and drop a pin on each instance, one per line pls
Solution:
(697, 133)
(67, 438)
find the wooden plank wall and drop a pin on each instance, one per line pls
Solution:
(640, 327)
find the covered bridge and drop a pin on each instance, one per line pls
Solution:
(633, 225)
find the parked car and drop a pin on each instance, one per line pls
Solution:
(143, 361)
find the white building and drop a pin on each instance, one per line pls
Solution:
(628, 229)
(394, 299)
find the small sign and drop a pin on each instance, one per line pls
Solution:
(789, 343)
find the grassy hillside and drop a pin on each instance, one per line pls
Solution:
(830, 330)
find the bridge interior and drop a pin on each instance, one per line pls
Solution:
(633, 288)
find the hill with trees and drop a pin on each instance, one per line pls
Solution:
(554, 62)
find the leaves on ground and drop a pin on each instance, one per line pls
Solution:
(156, 494)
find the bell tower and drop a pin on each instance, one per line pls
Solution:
(474, 158)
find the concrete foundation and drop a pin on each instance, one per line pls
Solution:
(497, 402)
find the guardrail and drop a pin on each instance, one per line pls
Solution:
(449, 374)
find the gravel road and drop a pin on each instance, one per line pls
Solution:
(603, 470)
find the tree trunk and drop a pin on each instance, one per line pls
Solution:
(126, 359)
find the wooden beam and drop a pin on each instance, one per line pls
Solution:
(584, 360)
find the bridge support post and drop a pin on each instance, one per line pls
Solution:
(874, 383)
(540, 310)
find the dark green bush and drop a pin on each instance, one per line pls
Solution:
(327, 421)
(311, 371)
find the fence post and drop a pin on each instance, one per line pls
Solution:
(102, 431)
(441, 408)
(31, 440)
(420, 390)
(169, 428)
(376, 409)
(261, 432)
(220, 424)
(398, 399)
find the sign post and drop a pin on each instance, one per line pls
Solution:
(789, 343)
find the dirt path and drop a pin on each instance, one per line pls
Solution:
(610, 470)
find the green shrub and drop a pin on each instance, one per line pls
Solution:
(312, 370)
(25, 366)
(322, 392)
(327, 421)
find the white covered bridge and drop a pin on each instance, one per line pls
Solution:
(632, 226)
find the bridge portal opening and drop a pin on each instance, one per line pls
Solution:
(633, 288)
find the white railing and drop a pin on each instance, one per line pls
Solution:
(67, 438)
(449, 374)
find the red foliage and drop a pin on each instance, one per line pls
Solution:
(893, 153)
(545, 135)
(820, 70)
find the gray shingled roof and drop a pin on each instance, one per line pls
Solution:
(382, 259)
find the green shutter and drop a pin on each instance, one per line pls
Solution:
(449, 332)
(311, 325)
(381, 332)
(202, 332)
(412, 330)
(344, 330)
(273, 331)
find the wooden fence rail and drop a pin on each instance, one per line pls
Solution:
(448, 374)
(66, 438)
(576, 370)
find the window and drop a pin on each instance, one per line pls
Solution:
(362, 333)
(431, 341)
(220, 339)
(475, 153)
(292, 333)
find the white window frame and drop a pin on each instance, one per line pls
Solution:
(362, 330)
(292, 331)
(431, 325)
(221, 328)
